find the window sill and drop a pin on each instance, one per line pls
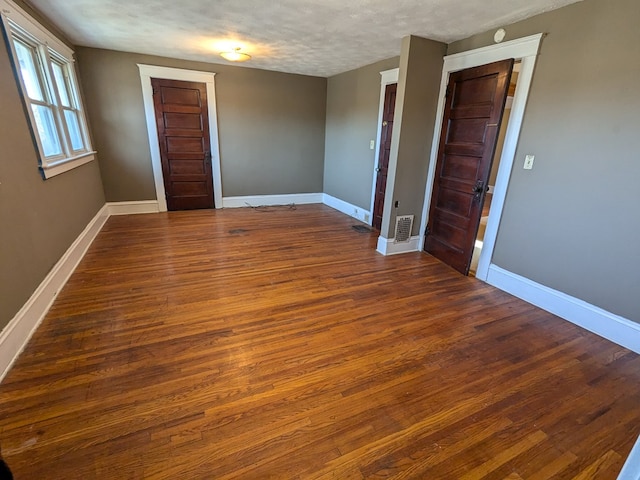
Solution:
(61, 166)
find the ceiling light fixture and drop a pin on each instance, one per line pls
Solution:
(235, 55)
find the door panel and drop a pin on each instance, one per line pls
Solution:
(183, 133)
(473, 112)
(461, 167)
(186, 121)
(185, 145)
(475, 91)
(383, 157)
(179, 95)
(454, 201)
(187, 188)
(187, 167)
(467, 130)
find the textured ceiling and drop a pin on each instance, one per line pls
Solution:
(312, 37)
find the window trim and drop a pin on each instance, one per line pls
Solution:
(20, 25)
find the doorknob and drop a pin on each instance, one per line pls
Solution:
(385, 123)
(478, 189)
(378, 169)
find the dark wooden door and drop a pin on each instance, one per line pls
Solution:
(384, 144)
(473, 112)
(183, 132)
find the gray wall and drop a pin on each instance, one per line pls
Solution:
(271, 126)
(572, 223)
(40, 218)
(421, 63)
(353, 100)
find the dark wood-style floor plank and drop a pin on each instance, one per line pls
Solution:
(277, 343)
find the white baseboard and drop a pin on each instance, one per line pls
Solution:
(270, 200)
(631, 468)
(387, 246)
(17, 333)
(613, 327)
(129, 208)
(347, 208)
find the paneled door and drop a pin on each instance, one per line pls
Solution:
(185, 152)
(473, 113)
(384, 144)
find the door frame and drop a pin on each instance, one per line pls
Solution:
(387, 77)
(153, 71)
(525, 49)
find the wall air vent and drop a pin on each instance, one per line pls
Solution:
(404, 223)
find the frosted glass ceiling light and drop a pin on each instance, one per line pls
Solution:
(235, 55)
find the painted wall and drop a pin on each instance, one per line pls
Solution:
(573, 222)
(353, 100)
(421, 63)
(271, 126)
(40, 218)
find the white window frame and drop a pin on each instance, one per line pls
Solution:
(20, 26)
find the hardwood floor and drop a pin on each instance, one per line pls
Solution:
(278, 344)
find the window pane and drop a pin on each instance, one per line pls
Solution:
(73, 125)
(47, 130)
(29, 70)
(58, 72)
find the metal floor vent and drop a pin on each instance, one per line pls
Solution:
(404, 223)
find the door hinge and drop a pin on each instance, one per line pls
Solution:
(155, 91)
(426, 231)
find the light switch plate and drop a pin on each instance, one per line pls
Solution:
(528, 161)
(372, 144)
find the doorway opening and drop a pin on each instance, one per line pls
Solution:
(384, 146)
(526, 50)
(472, 117)
(386, 108)
(183, 133)
(482, 227)
(147, 72)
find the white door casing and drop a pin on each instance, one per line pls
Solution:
(387, 77)
(524, 49)
(147, 72)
